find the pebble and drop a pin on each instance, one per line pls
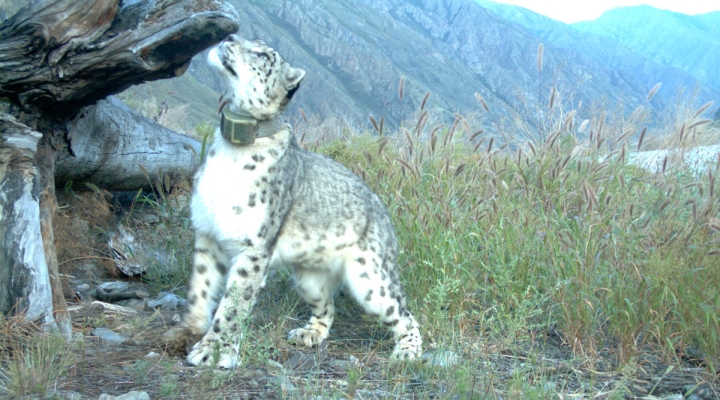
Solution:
(82, 288)
(274, 366)
(441, 358)
(66, 396)
(700, 392)
(364, 394)
(150, 219)
(108, 335)
(345, 365)
(674, 397)
(134, 395)
(166, 302)
(286, 386)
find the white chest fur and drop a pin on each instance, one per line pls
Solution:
(226, 199)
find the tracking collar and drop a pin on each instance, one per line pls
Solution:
(242, 129)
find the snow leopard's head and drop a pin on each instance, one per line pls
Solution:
(257, 80)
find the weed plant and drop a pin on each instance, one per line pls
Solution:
(35, 366)
(552, 234)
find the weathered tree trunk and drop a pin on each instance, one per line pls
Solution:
(57, 57)
(126, 150)
(23, 269)
(45, 161)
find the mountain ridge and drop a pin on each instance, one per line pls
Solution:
(689, 43)
(604, 48)
(437, 46)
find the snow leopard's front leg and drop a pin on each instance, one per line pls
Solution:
(245, 277)
(210, 267)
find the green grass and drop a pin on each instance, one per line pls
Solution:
(511, 242)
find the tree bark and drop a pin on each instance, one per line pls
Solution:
(45, 160)
(58, 56)
(25, 284)
(126, 150)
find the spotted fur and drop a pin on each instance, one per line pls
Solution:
(270, 204)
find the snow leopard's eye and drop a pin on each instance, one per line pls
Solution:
(262, 55)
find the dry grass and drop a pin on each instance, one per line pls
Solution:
(31, 361)
(80, 228)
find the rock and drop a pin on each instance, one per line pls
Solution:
(301, 361)
(286, 387)
(364, 394)
(82, 288)
(275, 367)
(694, 160)
(165, 301)
(345, 365)
(82, 291)
(114, 286)
(79, 225)
(134, 395)
(700, 392)
(440, 358)
(66, 395)
(108, 335)
(149, 219)
(550, 386)
(674, 397)
(132, 255)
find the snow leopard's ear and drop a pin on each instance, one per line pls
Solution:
(293, 78)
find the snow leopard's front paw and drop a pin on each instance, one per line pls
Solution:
(408, 347)
(210, 351)
(405, 353)
(307, 336)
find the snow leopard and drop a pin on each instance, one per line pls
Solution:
(259, 201)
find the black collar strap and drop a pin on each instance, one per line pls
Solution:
(242, 129)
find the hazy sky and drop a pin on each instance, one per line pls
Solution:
(582, 10)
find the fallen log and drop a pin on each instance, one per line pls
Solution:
(125, 151)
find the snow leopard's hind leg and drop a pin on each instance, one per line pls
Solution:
(316, 287)
(373, 281)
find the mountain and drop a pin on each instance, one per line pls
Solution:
(584, 44)
(690, 43)
(357, 51)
